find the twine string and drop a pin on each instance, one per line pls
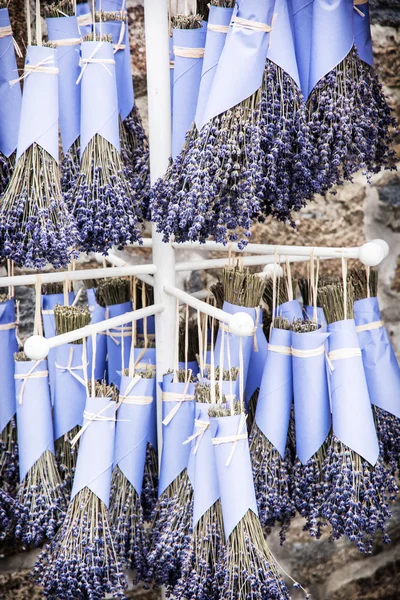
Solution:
(84, 62)
(72, 370)
(41, 67)
(232, 439)
(179, 398)
(189, 52)
(31, 374)
(201, 427)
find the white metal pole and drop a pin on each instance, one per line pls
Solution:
(159, 103)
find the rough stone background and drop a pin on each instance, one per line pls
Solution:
(358, 212)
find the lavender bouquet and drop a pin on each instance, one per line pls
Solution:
(10, 98)
(269, 449)
(349, 119)
(134, 144)
(101, 200)
(171, 527)
(41, 503)
(70, 389)
(82, 561)
(63, 32)
(36, 226)
(126, 511)
(83, 13)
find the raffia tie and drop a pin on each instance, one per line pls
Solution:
(42, 67)
(254, 25)
(117, 333)
(358, 2)
(119, 45)
(369, 326)
(201, 427)
(172, 64)
(7, 326)
(189, 52)
(7, 31)
(308, 353)
(286, 350)
(32, 374)
(343, 353)
(232, 439)
(66, 42)
(91, 418)
(135, 400)
(85, 19)
(179, 398)
(91, 60)
(218, 28)
(71, 370)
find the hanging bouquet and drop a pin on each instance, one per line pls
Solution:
(101, 200)
(41, 503)
(270, 452)
(82, 560)
(381, 368)
(10, 98)
(134, 145)
(251, 155)
(171, 525)
(83, 13)
(70, 389)
(349, 118)
(126, 511)
(36, 225)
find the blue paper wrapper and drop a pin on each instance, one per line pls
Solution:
(321, 319)
(241, 65)
(99, 100)
(34, 422)
(123, 70)
(381, 368)
(82, 10)
(302, 19)
(352, 418)
(362, 34)
(48, 302)
(232, 358)
(151, 327)
(143, 358)
(276, 392)
(257, 360)
(98, 314)
(290, 310)
(39, 111)
(10, 97)
(133, 421)
(215, 42)
(229, 389)
(205, 477)
(110, 5)
(234, 470)
(282, 48)
(332, 36)
(8, 345)
(96, 450)
(178, 423)
(187, 75)
(311, 397)
(118, 345)
(70, 389)
(69, 93)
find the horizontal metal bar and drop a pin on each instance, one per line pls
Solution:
(247, 261)
(61, 276)
(37, 347)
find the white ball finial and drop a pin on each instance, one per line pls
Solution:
(271, 268)
(371, 254)
(384, 245)
(241, 324)
(36, 347)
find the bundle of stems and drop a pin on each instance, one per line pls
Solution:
(113, 291)
(36, 226)
(7, 164)
(282, 292)
(62, 8)
(250, 570)
(134, 142)
(181, 21)
(69, 318)
(8, 479)
(361, 280)
(241, 287)
(217, 290)
(351, 124)
(126, 513)
(148, 296)
(190, 349)
(101, 198)
(249, 162)
(82, 561)
(52, 288)
(356, 494)
(40, 504)
(272, 474)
